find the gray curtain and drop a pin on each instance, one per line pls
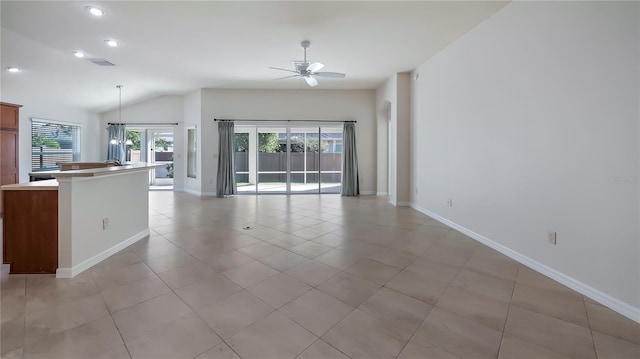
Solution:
(116, 152)
(226, 179)
(350, 181)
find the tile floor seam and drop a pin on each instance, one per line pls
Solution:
(504, 328)
(24, 320)
(448, 311)
(120, 335)
(593, 340)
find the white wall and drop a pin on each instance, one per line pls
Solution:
(158, 110)
(55, 112)
(393, 105)
(83, 204)
(403, 140)
(339, 105)
(530, 123)
(386, 110)
(192, 112)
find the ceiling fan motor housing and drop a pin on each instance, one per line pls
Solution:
(301, 67)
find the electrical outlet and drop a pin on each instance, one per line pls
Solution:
(450, 202)
(105, 223)
(551, 237)
(416, 190)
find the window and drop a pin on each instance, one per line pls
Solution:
(191, 152)
(53, 142)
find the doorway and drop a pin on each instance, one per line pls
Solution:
(154, 146)
(288, 159)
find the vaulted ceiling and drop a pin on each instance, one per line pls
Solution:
(175, 47)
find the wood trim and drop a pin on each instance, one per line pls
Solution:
(10, 104)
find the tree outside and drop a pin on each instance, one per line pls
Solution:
(267, 142)
(134, 136)
(313, 145)
(38, 140)
(163, 143)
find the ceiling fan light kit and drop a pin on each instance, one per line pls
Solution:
(307, 70)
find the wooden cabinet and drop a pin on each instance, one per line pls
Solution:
(9, 126)
(30, 230)
(9, 116)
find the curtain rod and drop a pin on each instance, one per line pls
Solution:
(225, 120)
(147, 123)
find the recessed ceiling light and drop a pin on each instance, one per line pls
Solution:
(112, 43)
(94, 11)
(79, 54)
(14, 69)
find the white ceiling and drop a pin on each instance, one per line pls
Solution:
(175, 47)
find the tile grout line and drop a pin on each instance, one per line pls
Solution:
(435, 304)
(593, 340)
(110, 314)
(506, 318)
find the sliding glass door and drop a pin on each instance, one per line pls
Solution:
(272, 160)
(288, 159)
(330, 159)
(305, 160)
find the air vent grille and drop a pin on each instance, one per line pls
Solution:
(101, 62)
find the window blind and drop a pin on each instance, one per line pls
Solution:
(52, 143)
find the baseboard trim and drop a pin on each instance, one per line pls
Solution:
(367, 193)
(191, 191)
(72, 272)
(403, 204)
(614, 304)
(382, 193)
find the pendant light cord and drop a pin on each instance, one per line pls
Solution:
(120, 103)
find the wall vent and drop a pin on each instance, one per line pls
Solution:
(101, 62)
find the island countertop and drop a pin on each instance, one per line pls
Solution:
(104, 171)
(48, 185)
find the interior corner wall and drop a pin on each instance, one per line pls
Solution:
(36, 108)
(386, 108)
(403, 153)
(284, 105)
(530, 123)
(393, 106)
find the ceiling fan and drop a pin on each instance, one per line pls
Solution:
(309, 71)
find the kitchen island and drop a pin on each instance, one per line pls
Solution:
(99, 212)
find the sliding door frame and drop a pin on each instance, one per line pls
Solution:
(287, 126)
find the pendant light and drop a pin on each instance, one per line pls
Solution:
(115, 141)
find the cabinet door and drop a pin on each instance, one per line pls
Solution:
(9, 157)
(30, 227)
(9, 117)
(8, 160)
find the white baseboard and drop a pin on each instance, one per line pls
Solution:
(208, 194)
(403, 204)
(614, 304)
(191, 191)
(367, 193)
(382, 193)
(72, 272)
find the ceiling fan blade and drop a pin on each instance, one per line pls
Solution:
(335, 75)
(286, 77)
(277, 68)
(311, 81)
(316, 66)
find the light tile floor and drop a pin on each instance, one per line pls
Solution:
(309, 277)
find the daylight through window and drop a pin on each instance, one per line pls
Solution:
(52, 143)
